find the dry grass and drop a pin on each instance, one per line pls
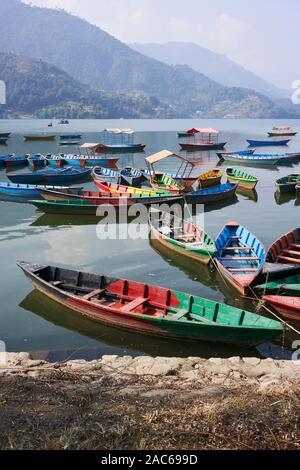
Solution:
(65, 412)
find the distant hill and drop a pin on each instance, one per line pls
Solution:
(216, 66)
(94, 57)
(42, 90)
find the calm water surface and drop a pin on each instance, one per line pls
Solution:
(30, 322)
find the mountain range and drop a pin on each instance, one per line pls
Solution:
(216, 66)
(38, 89)
(93, 63)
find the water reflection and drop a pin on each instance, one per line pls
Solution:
(284, 198)
(250, 194)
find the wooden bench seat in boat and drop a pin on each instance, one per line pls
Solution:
(295, 245)
(180, 314)
(185, 237)
(95, 293)
(288, 260)
(291, 252)
(134, 304)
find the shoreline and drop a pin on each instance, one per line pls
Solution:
(143, 403)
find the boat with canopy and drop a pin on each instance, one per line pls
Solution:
(204, 139)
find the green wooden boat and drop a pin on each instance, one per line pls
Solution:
(163, 182)
(244, 180)
(90, 206)
(287, 183)
(182, 237)
(150, 310)
(289, 285)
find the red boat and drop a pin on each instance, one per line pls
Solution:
(286, 249)
(288, 307)
(204, 139)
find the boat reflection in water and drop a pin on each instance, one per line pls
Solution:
(284, 198)
(249, 194)
(121, 342)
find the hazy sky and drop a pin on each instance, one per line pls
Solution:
(262, 35)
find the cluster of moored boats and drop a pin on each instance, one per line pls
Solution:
(239, 256)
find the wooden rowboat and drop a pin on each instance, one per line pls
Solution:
(282, 131)
(287, 183)
(36, 161)
(163, 182)
(69, 194)
(210, 178)
(150, 310)
(250, 159)
(131, 177)
(289, 285)
(288, 307)
(194, 147)
(13, 160)
(34, 137)
(55, 176)
(213, 194)
(243, 179)
(267, 143)
(108, 187)
(240, 256)
(182, 237)
(286, 249)
(26, 191)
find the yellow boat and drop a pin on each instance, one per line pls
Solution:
(106, 186)
(210, 178)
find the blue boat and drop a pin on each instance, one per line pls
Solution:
(52, 176)
(131, 177)
(25, 191)
(12, 160)
(241, 152)
(55, 161)
(251, 159)
(211, 194)
(240, 256)
(106, 173)
(36, 161)
(86, 160)
(70, 137)
(269, 143)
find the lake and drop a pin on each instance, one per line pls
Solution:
(31, 322)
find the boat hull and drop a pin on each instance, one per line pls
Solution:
(36, 178)
(214, 194)
(135, 148)
(39, 137)
(288, 134)
(153, 325)
(191, 147)
(251, 185)
(267, 143)
(288, 307)
(83, 162)
(200, 257)
(242, 179)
